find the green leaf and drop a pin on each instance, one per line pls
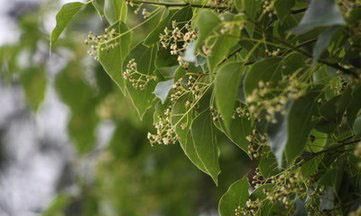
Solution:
(226, 87)
(164, 59)
(249, 7)
(320, 13)
(181, 16)
(240, 128)
(220, 48)
(332, 112)
(268, 165)
(317, 141)
(357, 126)
(291, 63)
(58, 204)
(322, 42)
(354, 105)
(112, 59)
(283, 8)
(34, 84)
(81, 129)
(236, 196)
(205, 144)
(310, 167)
(153, 36)
(63, 18)
(80, 97)
(73, 90)
(207, 22)
(278, 135)
(162, 89)
(144, 58)
(291, 132)
(181, 121)
(99, 7)
(263, 70)
(115, 11)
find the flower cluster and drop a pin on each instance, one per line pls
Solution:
(274, 53)
(242, 111)
(268, 100)
(191, 84)
(230, 27)
(165, 133)
(347, 5)
(251, 208)
(102, 42)
(145, 13)
(285, 187)
(256, 141)
(221, 2)
(177, 39)
(257, 179)
(268, 7)
(137, 80)
(216, 116)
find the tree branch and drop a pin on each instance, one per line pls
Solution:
(323, 61)
(175, 4)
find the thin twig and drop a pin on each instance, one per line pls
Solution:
(180, 4)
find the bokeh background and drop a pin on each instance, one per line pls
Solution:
(71, 144)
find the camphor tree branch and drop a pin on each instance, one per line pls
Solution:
(309, 156)
(179, 4)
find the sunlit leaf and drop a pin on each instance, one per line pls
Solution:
(63, 18)
(235, 197)
(115, 11)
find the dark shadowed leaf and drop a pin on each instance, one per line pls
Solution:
(283, 8)
(289, 135)
(264, 70)
(357, 126)
(240, 128)
(322, 43)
